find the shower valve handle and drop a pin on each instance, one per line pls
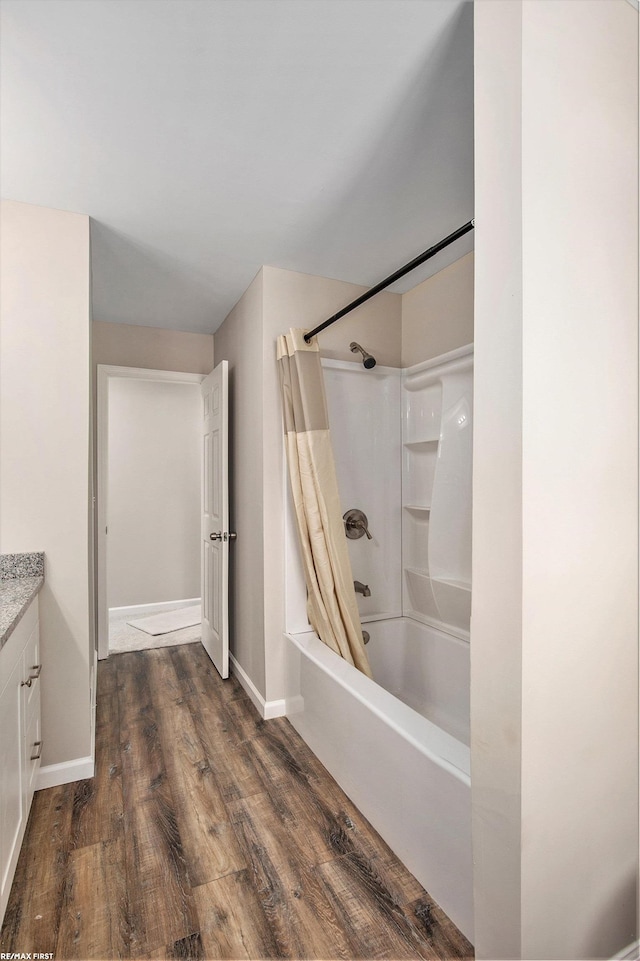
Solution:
(356, 524)
(362, 526)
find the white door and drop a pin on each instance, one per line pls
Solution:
(215, 536)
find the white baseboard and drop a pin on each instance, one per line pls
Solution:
(266, 709)
(51, 775)
(141, 610)
(274, 709)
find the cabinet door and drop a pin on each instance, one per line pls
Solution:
(31, 761)
(32, 668)
(11, 788)
(31, 741)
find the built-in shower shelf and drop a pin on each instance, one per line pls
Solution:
(424, 444)
(453, 582)
(447, 599)
(421, 508)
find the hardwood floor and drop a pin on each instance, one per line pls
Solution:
(209, 833)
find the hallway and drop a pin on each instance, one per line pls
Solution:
(209, 833)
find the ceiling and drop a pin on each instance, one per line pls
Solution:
(208, 137)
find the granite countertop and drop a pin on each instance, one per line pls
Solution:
(21, 577)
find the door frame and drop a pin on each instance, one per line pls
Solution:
(105, 374)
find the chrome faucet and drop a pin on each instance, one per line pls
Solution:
(360, 588)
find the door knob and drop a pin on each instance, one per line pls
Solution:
(217, 536)
(232, 536)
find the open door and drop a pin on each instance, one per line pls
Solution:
(215, 536)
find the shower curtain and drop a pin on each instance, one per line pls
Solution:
(331, 600)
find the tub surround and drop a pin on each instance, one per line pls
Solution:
(402, 443)
(400, 742)
(21, 577)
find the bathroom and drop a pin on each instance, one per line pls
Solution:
(552, 636)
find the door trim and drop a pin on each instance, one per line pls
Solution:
(214, 516)
(105, 372)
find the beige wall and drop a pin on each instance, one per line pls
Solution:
(153, 492)
(239, 340)
(44, 469)
(554, 638)
(154, 348)
(437, 315)
(307, 301)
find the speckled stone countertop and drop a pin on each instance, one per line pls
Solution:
(21, 577)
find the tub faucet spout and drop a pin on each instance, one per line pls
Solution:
(360, 588)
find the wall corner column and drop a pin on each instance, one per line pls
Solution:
(496, 617)
(554, 657)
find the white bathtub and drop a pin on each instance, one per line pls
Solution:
(408, 772)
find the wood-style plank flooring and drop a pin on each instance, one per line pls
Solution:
(209, 833)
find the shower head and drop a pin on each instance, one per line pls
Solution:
(367, 359)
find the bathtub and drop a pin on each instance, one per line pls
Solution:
(408, 772)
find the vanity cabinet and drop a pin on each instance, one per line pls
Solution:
(20, 739)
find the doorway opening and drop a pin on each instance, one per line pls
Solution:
(148, 509)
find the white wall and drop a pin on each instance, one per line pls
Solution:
(580, 526)
(496, 571)
(45, 377)
(554, 630)
(153, 545)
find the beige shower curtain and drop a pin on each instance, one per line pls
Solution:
(331, 600)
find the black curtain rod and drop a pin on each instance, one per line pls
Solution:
(420, 259)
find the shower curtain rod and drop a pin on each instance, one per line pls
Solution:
(420, 259)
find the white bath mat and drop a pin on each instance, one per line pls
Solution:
(171, 621)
